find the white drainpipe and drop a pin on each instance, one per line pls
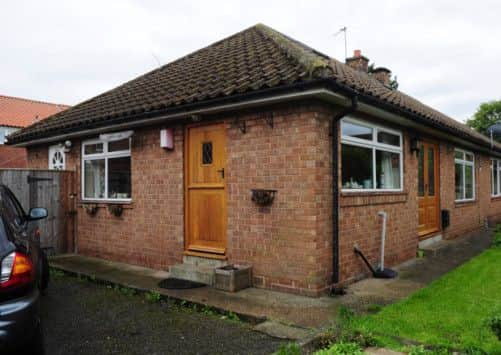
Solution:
(384, 215)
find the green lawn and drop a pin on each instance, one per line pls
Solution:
(449, 312)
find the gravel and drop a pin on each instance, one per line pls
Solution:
(81, 317)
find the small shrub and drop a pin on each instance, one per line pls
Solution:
(374, 308)
(127, 291)
(289, 349)
(497, 240)
(54, 273)
(342, 348)
(346, 314)
(494, 323)
(153, 297)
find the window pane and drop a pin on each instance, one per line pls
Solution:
(459, 182)
(115, 146)
(431, 172)
(94, 178)
(421, 171)
(95, 148)
(468, 172)
(207, 153)
(388, 138)
(356, 131)
(356, 167)
(458, 155)
(387, 170)
(469, 157)
(119, 185)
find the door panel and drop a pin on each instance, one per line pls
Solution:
(428, 189)
(205, 189)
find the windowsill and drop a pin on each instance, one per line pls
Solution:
(464, 203)
(348, 193)
(496, 198)
(101, 203)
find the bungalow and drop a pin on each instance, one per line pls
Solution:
(16, 113)
(261, 150)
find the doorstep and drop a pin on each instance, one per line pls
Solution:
(256, 305)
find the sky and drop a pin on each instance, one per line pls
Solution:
(444, 53)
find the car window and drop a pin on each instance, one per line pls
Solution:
(13, 211)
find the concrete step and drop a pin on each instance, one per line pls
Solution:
(197, 273)
(200, 261)
(436, 249)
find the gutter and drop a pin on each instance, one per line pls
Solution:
(318, 93)
(335, 185)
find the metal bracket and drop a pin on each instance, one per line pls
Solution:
(35, 179)
(241, 125)
(269, 119)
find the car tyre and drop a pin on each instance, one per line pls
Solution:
(37, 345)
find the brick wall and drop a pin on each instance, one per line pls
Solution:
(288, 244)
(12, 157)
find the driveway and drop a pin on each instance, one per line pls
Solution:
(82, 317)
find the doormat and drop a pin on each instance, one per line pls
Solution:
(177, 284)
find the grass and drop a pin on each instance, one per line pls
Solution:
(451, 312)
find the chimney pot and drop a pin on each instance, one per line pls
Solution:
(358, 61)
(383, 75)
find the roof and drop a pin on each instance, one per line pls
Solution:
(19, 112)
(253, 60)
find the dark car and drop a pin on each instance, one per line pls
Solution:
(24, 273)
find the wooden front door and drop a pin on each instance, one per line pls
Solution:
(205, 152)
(428, 189)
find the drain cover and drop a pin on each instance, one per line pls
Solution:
(177, 284)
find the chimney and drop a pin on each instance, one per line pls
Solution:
(383, 75)
(358, 61)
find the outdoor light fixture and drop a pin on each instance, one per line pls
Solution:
(414, 145)
(67, 146)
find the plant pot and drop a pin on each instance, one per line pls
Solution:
(116, 210)
(90, 209)
(233, 278)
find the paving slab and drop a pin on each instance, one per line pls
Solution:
(283, 331)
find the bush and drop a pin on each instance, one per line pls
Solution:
(289, 349)
(494, 323)
(497, 240)
(342, 348)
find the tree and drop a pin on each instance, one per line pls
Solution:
(487, 114)
(393, 79)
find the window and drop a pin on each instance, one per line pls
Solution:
(56, 158)
(464, 175)
(371, 157)
(495, 177)
(4, 132)
(106, 170)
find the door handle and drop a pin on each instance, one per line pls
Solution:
(221, 171)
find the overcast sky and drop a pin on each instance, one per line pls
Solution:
(445, 53)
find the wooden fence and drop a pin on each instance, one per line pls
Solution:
(52, 190)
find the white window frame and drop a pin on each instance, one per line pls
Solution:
(374, 145)
(105, 155)
(495, 164)
(53, 149)
(464, 163)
